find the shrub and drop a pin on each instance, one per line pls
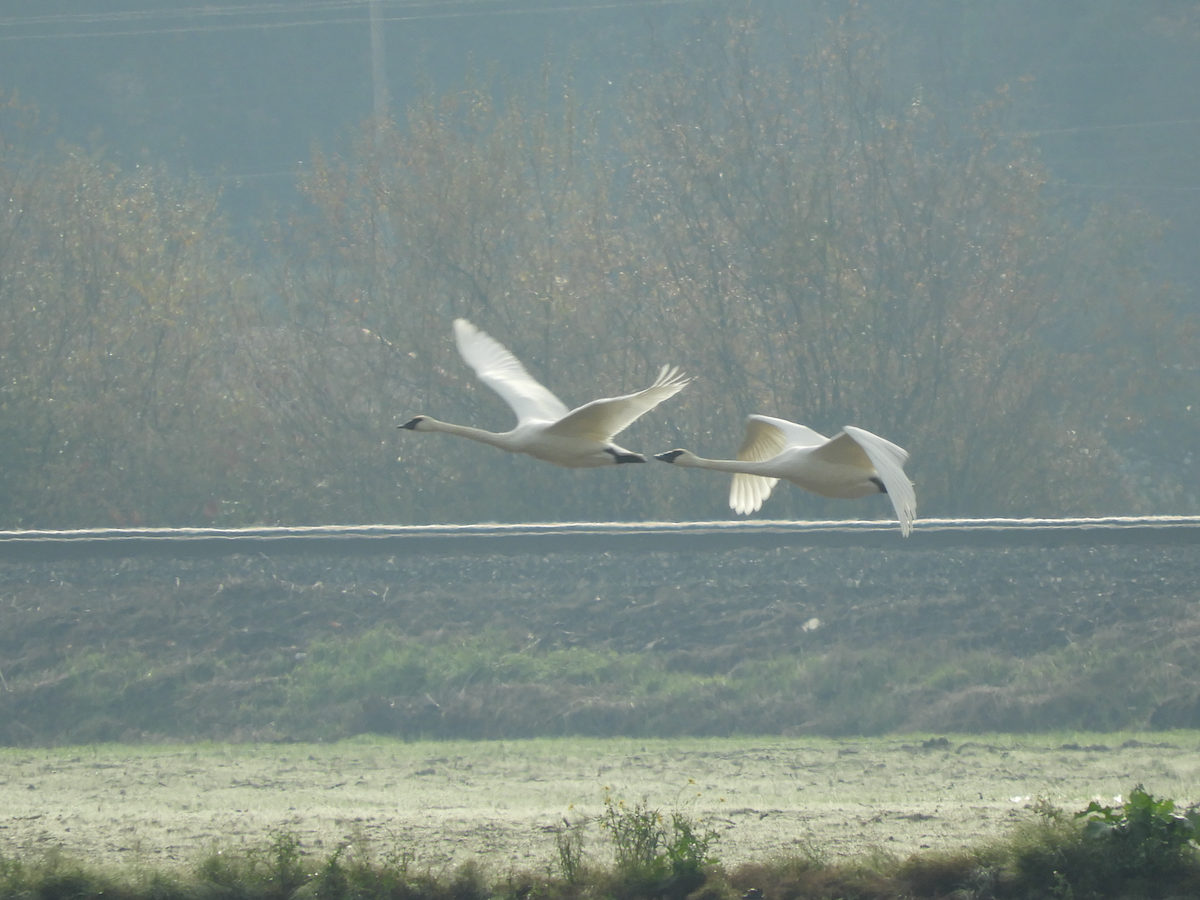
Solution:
(656, 856)
(1144, 836)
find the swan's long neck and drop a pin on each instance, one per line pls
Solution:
(501, 440)
(742, 466)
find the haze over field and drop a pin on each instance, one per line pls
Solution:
(237, 234)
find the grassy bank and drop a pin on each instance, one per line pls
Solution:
(1141, 848)
(500, 685)
(807, 642)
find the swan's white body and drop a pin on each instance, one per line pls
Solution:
(853, 463)
(579, 438)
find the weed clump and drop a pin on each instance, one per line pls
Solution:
(1143, 836)
(656, 855)
(1143, 848)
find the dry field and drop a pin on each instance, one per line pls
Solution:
(501, 802)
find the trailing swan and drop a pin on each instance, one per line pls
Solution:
(853, 463)
(575, 438)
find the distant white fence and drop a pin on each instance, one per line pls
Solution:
(594, 537)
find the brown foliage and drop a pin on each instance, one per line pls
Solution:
(806, 244)
(836, 257)
(115, 306)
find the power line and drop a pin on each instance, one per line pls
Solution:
(187, 12)
(1127, 126)
(209, 12)
(1161, 188)
(236, 177)
(456, 9)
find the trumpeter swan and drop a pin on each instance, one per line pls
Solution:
(576, 438)
(851, 464)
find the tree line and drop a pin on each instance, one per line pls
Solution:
(806, 235)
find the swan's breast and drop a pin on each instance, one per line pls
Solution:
(571, 451)
(836, 480)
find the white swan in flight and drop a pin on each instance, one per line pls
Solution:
(579, 438)
(851, 464)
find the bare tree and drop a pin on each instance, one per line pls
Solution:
(116, 305)
(807, 240)
(838, 257)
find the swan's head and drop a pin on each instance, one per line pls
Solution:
(414, 424)
(674, 456)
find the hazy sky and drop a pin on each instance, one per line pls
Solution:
(240, 90)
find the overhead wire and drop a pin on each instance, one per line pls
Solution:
(423, 10)
(301, 13)
(1120, 126)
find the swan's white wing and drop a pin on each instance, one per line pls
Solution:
(889, 461)
(793, 435)
(603, 419)
(843, 450)
(747, 493)
(496, 367)
(765, 439)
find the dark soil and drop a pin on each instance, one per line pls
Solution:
(225, 632)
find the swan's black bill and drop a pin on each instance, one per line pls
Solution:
(411, 424)
(879, 484)
(669, 456)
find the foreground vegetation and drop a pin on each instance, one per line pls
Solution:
(1142, 848)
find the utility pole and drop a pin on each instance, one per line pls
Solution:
(383, 232)
(378, 70)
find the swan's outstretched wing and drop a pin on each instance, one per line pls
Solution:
(889, 461)
(496, 367)
(766, 437)
(843, 450)
(604, 419)
(793, 435)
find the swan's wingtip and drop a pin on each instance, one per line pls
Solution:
(672, 376)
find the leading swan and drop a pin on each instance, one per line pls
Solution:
(579, 438)
(851, 464)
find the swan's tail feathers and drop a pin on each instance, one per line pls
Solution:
(748, 492)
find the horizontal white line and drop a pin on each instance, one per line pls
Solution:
(585, 537)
